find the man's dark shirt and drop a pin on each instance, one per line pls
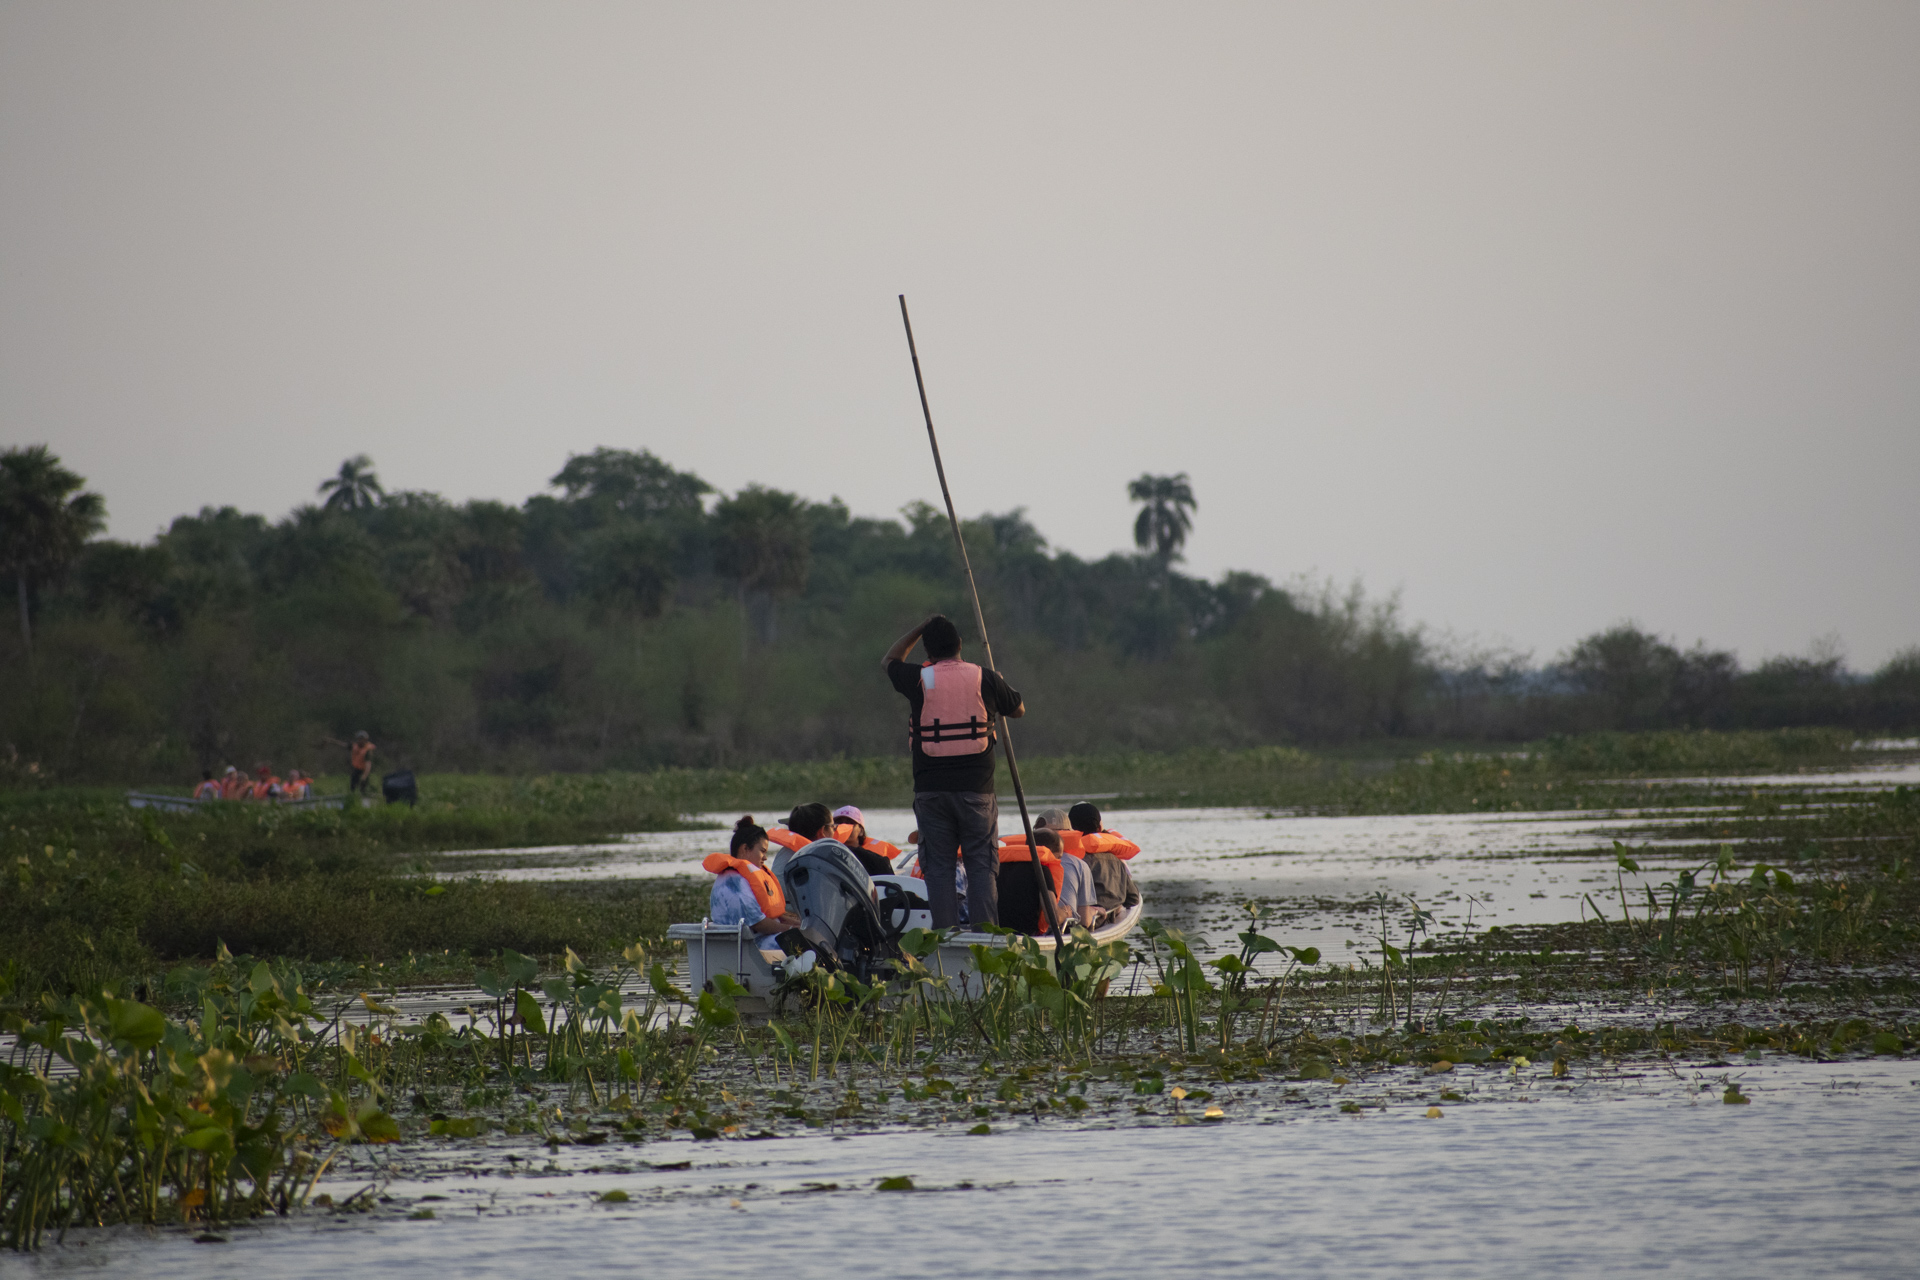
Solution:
(953, 773)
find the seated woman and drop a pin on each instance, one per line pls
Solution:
(744, 891)
(850, 829)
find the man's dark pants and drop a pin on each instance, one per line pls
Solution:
(953, 825)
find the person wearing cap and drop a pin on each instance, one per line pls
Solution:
(233, 784)
(850, 829)
(950, 708)
(1104, 853)
(1076, 886)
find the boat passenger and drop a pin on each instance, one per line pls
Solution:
(850, 829)
(208, 788)
(1085, 819)
(266, 784)
(299, 786)
(233, 784)
(744, 891)
(1113, 887)
(951, 704)
(1020, 891)
(1076, 885)
(1076, 882)
(807, 823)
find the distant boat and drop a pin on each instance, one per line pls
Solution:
(187, 804)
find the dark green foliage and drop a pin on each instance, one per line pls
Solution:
(96, 892)
(618, 622)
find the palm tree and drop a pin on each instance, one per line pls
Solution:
(1164, 523)
(355, 488)
(43, 520)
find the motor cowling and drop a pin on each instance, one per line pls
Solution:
(832, 894)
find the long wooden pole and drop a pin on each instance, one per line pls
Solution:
(980, 621)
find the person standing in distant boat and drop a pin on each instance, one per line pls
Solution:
(359, 760)
(951, 704)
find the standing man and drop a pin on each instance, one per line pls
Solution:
(950, 727)
(359, 760)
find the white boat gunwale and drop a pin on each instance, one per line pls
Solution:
(707, 942)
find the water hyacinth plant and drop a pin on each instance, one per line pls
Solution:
(112, 1112)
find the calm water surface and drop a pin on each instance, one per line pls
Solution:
(1816, 1177)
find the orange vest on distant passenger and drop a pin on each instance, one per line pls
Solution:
(1020, 853)
(844, 834)
(765, 885)
(953, 718)
(1069, 842)
(1108, 842)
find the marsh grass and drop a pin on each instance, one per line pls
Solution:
(95, 895)
(225, 1088)
(113, 1111)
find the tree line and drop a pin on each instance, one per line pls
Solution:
(631, 616)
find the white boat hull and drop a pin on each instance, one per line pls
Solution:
(734, 950)
(187, 804)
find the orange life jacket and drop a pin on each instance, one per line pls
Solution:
(207, 790)
(788, 840)
(844, 834)
(1049, 864)
(359, 753)
(1069, 842)
(765, 885)
(953, 718)
(1108, 842)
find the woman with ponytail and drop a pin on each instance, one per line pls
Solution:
(744, 891)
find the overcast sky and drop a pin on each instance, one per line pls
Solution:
(1545, 316)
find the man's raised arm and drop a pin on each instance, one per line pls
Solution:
(906, 642)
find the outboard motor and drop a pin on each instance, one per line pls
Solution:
(400, 788)
(829, 890)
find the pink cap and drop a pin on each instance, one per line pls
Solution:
(849, 811)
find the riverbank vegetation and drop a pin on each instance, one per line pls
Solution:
(101, 893)
(112, 1111)
(632, 618)
(97, 893)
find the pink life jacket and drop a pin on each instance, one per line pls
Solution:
(953, 716)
